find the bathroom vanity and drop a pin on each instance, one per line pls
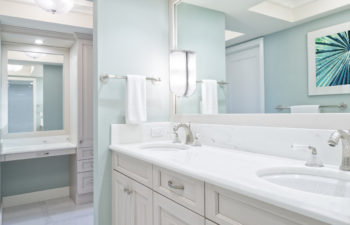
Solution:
(165, 183)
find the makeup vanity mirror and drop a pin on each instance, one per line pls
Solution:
(252, 60)
(34, 90)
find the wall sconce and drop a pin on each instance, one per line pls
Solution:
(183, 72)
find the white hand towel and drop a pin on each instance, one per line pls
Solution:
(305, 109)
(136, 110)
(209, 97)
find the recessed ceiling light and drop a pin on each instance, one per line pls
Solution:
(39, 42)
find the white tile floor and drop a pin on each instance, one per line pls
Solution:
(61, 211)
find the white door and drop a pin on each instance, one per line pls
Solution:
(167, 212)
(132, 202)
(245, 75)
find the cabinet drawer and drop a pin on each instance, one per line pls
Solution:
(167, 212)
(85, 165)
(85, 182)
(184, 190)
(85, 153)
(228, 208)
(136, 169)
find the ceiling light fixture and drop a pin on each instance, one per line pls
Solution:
(56, 6)
(39, 42)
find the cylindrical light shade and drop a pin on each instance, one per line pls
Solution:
(183, 72)
(56, 6)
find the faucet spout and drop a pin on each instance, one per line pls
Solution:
(333, 141)
(189, 135)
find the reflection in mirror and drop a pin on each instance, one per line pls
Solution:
(251, 58)
(35, 91)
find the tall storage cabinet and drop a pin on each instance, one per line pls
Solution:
(82, 163)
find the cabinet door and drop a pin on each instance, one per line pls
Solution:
(85, 116)
(167, 212)
(132, 202)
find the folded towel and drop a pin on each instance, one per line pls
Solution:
(209, 97)
(305, 109)
(136, 111)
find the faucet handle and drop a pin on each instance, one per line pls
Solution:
(314, 160)
(196, 142)
(176, 136)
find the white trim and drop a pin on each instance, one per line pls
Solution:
(311, 36)
(248, 45)
(172, 45)
(66, 89)
(33, 197)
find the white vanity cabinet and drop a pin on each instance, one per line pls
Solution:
(167, 212)
(132, 202)
(228, 208)
(176, 199)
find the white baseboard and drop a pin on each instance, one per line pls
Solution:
(33, 197)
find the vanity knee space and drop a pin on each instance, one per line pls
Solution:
(174, 198)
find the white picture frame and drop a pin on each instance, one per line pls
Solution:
(311, 37)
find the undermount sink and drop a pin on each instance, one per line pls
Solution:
(317, 181)
(164, 147)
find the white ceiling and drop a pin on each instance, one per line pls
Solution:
(253, 24)
(292, 3)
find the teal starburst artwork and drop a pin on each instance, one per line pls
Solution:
(333, 60)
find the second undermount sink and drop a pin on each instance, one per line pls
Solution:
(165, 147)
(317, 181)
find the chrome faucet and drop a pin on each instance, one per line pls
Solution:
(187, 128)
(344, 136)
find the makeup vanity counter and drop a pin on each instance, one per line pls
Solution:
(12, 151)
(223, 186)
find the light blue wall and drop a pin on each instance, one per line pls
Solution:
(31, 175)
(203, 31)
(53, 97)
(130, 37)
(286, 67)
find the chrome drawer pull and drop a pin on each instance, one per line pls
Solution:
(174, 186)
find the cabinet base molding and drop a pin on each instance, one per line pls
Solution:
(33, 197)
(83, 199)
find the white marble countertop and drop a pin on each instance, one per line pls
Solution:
(237, 171)
(36, 148)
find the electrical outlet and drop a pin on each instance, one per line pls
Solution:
(157, 132)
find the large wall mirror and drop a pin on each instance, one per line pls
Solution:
(34, 90)
(256, 57)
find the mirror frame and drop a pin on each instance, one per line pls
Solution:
(310, 121)
(7, 46)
